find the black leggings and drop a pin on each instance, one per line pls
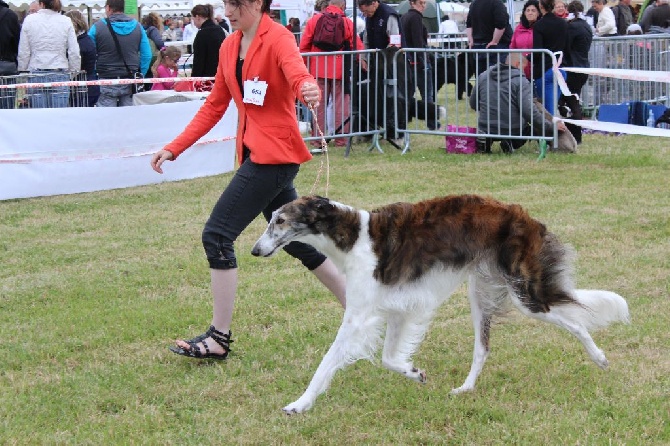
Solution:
(255, 188)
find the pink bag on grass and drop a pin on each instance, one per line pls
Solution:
(461, 144)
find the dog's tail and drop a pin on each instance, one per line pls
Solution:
(595, 308)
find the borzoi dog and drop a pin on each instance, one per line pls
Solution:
(403, 260)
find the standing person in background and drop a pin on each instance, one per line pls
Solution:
(415, 35)
(170, 33)
(153, 26)
(560, 10)
(382, 24)
(48, 48)
(190, 30)
(34, 7)
(624, 16)
(269, 149)
(577, 50)
(448, 26)
(523, 33)
(135, 53)
(606, 24)
(166, 67)
(222, 23)
(329, 71)
(487, 27)
(550, 33)
(207, 41)
(89, 55)
(179, 30)
(9, 49)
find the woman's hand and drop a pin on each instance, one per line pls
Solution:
(311, 94)
(158, 158)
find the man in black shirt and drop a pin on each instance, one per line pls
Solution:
(487, 27)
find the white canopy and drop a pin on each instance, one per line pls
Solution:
(100, 4)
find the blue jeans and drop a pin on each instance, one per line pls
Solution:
(49, 97)
(544, 89)
(255, 188)
(115, 96)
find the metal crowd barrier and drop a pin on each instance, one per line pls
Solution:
(353, 101)
(41, 96)
(649, 52)
(422, 96)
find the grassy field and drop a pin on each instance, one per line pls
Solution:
(94, 287)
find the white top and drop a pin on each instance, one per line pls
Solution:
(190, 31)
(606, 22)
(48, 41)
(449, 27)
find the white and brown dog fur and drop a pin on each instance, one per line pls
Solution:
(402, 261)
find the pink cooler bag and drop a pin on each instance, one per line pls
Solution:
(461, 144)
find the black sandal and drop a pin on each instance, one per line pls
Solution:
(223, 339)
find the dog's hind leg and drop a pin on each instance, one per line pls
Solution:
(478, 291)
(403, 336)
(560, 315)
(357, 338)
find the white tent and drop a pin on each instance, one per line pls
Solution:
(99, 5)
(302, 9)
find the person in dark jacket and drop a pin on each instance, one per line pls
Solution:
(381, 23)
(9, 49)
(89, 57)
(207, 41)
(577, 49)
(415, 35)
(550, 33)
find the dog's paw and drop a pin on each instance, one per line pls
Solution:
(442, 112)
(601, 361)
(461, 389)
(417, 375)
(301, 405)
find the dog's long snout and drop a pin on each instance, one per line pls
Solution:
(256, 251)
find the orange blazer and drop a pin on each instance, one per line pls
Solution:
(269, 131)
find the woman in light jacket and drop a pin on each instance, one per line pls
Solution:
(48, 49)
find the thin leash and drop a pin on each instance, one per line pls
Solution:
(324, 149)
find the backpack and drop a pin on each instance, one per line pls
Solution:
(329, 32)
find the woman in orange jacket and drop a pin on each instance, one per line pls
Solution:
(260, 68)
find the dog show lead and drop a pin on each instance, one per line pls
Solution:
(260, 68)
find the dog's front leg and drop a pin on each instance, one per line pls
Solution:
(357, 338)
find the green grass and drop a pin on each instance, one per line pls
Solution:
(94, 287)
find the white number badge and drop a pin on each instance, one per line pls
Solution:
(254, 91)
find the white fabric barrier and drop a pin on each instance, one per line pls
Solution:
(153, 97)
(72, 150)
(615, 127)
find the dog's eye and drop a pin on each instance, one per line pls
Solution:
(280, 221)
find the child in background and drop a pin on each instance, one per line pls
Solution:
(166, 67)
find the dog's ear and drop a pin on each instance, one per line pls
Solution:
(313, 209)
(322, 204)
